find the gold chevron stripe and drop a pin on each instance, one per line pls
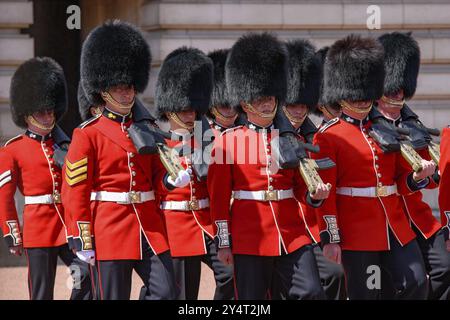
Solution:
(73, 181)
(76, 165)
(74, 173)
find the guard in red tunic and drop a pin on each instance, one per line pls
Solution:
(402, 61)
(85, 108)
(109, 189)
(363, 216)
(444, 185)
(29, 162)
(221, 115)
(304, 81)
(261, 233)
(326, 112)
(183, 94)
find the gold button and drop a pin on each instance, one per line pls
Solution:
(193, 190)
(376, 157)
(133, 183)
(270, 179)
(131, 154)
(133, 173)
(271, 188)
(380, 184)
(131, 164)
(377, 166)
(379, 175)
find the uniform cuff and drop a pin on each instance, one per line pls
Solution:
(13, 238)
(223, 237)
(166, 183)
(313, 203)
(414, 185)
(85, 241)
(331, 234)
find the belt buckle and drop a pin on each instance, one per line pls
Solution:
(194, 204)
(135, 197)
(270, 195)
(56, 196)
(382, 191)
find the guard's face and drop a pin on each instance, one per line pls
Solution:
(393, 102)
(297, 111)
(264, 104)
(45, 117)
(227, 111)
(123, 94)
(398, 96)
(188, 117)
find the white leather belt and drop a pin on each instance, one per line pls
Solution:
(43, 199)
(123, 197)
(185, 205)
(264, 195)
(370, 192)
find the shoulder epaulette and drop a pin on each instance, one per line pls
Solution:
(13, 139)
(89, 121)
(329, 124)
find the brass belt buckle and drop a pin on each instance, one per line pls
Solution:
(270, 196)
(56, 196)
(194, 204)
(382, 191)
(135, 197)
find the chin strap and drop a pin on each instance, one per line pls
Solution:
(37, 124)
(292, 119)
(398, 103)
(108, 98)
(345, 105)
(178, 121)
(216, 113)
(251, 109)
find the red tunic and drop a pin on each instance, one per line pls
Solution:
(186, 229)
(26, 163)
(418, 211)
(102, 157)
(363, 222)
(263, 228)
(444, 185)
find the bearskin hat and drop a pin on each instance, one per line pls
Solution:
(185, 82)
(83, 104)
(401, 63)
(38, 84)
(114, 53)
(321, 54)
(256, 67)
(353, 70)
(304, 74)
(219, 92)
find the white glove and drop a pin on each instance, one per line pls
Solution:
(87, 256)
(182, 180)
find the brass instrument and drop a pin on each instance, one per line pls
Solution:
(170, 160)
(435, 152)
(308, 170)
(411, 156)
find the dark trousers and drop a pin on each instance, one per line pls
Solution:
(369, 274)
(296, 273)
(156, 272)
(42, 264)
(188, 271)
(331, 275)
(437, 264)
